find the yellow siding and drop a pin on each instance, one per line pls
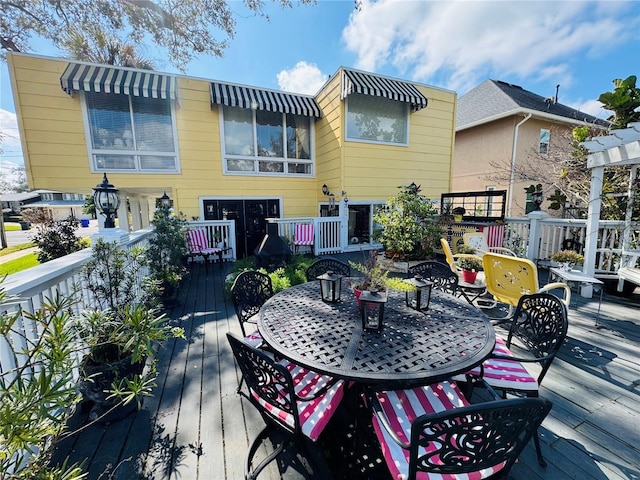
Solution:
(56, 155)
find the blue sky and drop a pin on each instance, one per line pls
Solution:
(580, 45)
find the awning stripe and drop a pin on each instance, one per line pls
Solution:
(374, 85)
(95, 78)
(260, 99)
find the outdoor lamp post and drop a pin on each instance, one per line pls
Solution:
(536, 197)
(107, 201)
(420, 296)
(372, 310)
(330, 286)
(165, 201)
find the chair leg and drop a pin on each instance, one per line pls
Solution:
(541, 460)
(263, 435)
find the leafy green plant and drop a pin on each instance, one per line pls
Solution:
(567, 256)
(409, 228)
(466, 249)
(292, 274)
(473, 264)
(54, 239)
(373, 275)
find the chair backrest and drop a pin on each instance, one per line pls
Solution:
(325, 265)
(197, 239)
(508, 278)
(271, 388)
(540, 325)
(303, 234)
(250, 290)
(448, 254)
(476, 437)
(571, 244)
(438, 273)
(477, 241)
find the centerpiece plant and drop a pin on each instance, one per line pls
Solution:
(470, 267)
(374, 277)
(567, 258)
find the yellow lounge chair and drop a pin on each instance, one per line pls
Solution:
(478, 241)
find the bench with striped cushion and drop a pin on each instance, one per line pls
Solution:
(198, 243)
(433, 433)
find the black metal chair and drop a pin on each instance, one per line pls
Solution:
(250, 290)
(325, 265)
(296, 401)
(433, 431)
(538, 329)
(438, 273)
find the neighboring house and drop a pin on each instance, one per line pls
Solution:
(503, 124)
(227, 151)
(59, 205)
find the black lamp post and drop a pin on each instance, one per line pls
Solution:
(536, 197)
(420, 296)
(165, 201)
(372, 310)
(330, 286)
(107, 201)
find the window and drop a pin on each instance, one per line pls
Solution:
(130, 133)
(377, 119)
(266, 143)
(545, 135)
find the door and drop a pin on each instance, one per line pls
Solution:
(250, 219)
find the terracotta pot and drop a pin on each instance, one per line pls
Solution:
(469, 276)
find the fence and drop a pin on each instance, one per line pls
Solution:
(326, 239)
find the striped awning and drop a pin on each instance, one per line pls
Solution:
(95, 78)
(270, 100)
(374, 85)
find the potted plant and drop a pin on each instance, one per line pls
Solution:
(466, 249)
(566, 259)
(458, 212)
(470, 267)
(166, 252)
(374, 277)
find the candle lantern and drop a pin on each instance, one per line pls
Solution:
(330, 286)
(372, 310)
(419, 297)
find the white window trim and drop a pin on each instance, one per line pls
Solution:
(91, 152)
(376, 142)
(256, 159)
(540, 142)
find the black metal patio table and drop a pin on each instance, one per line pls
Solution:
(413, 348)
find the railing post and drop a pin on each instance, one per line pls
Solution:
(535, 218)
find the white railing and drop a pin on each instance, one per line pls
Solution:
(326, 237)
(219, 232)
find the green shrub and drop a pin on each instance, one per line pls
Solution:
(55, 239)
(292, 274)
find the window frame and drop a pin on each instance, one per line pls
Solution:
(136, 154)
(547, 144)
(257, 159)
(407, 109)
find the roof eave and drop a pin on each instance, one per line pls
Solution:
(525, 111)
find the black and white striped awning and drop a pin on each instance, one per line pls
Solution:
(95, 78)
(270, 100)
(374, 85)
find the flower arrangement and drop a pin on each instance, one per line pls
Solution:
(567, 256)
(375, 277)
(466, 249)
(473, 264)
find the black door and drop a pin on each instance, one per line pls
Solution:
(250, 220)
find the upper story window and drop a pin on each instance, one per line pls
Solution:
(262, 142)
(377, 119)
(131, 133)
(545, 136)
(128, 115)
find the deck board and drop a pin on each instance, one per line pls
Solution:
(196, 427)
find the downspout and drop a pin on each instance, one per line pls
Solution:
(512, 178)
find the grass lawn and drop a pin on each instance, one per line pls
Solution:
(11, 226)
(16, 248)
(19, 264)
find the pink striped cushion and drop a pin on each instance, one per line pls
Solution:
(505, 374)
(254, 339)
(315, 414)
(303, 235)
(198, 242)
(402, 407)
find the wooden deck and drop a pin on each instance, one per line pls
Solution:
(197, 427)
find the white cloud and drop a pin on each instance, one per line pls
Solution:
(466, 42)
(9, 129)
(302, 78)
(593, 107)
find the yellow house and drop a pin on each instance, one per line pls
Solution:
(227, 151)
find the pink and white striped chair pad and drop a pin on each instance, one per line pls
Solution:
(402, 407)
(303, 234)
(198, 243)
(314, 414)
(503, 373)
(254, 339)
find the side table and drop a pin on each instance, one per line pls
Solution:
(576, 277)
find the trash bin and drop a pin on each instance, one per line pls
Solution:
(85, 222)
(25, 225)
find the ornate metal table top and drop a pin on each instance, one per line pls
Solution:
(412, 348)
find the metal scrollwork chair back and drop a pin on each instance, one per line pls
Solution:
(325, 265)
(250, 290)
(442, 277)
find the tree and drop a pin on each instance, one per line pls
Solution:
(623, 101)
(185, 29)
